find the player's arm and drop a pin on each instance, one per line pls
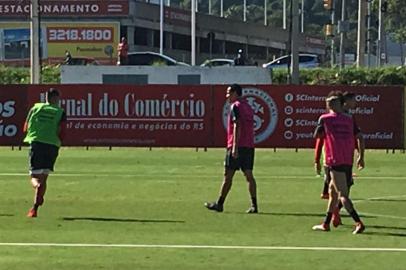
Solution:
(235, 114)
(317, 154)
(319, 136)
(359, 145)
(25, 127)
(62, 127)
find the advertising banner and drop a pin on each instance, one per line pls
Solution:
(13, 110)
(84, 39)
(286, 116)
(134, 115)
(195, 116)
(66, 8)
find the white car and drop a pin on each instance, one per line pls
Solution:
(305, 61)
(217, 62)
(152, 59)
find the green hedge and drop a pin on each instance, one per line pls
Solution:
(347, 76)
(18, 75)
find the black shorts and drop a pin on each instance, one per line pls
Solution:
(347, 169)
(245, 160)
(42, 156)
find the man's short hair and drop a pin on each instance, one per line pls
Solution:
(348, 95)
(236, 88)
(52, 92)
(335, 95)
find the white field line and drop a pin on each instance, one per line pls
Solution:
(159, 246)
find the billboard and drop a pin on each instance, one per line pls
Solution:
(84, 39)
(195, 116)
(66, 8)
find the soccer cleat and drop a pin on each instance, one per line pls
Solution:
(324, 196)
(32, 213)
(336, 218)
(214, 206)
(322, 227)
(252, 210)
(359, 228)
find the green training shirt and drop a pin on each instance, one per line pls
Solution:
(43, 124)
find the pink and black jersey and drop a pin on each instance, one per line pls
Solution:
(241, 111)
(338, 130)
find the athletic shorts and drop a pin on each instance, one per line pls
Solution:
(245, 160)
(347, 169)
(42, 157)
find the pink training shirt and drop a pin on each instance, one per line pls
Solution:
(339, 142)
(241, 111)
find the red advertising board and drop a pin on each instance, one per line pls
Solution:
(195, 116)
(134, 115)
(76, 8)
(13, 110)
(286, 116)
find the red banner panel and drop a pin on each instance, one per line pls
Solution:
(76, 8)
(195, 116)
(13, 110)
(286, 116)
(163, 115)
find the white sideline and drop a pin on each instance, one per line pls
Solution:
(159, 246)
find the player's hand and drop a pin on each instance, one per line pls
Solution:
(317, 168)
(360, 163)
(234, 153)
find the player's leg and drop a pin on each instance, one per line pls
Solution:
(326, 184)
(342, 187)
(252, 188)
(230, 166)
(224, 190)
(246, 160)
(331, 205)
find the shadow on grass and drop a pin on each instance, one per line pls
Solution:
(105, 219)
(376, 230)
(297, 214)
(386, 200)
(6, 215)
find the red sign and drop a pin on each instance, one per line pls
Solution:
(134, 115)
(195, 116)
(76, 8)
(177, 16)
(13, 110)
(286, 116)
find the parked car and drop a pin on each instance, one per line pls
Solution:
(217, 62)
(81, 61)
(152, 59)
(305, 61)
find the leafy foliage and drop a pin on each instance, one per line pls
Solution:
(13, 75)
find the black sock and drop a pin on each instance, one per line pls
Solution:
(327, 220)
(355, 216)
(340, 205)
(35, 207)
(221, 200)
(254, 201)
(325, 188)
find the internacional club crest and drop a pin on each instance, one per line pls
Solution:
(265, 112)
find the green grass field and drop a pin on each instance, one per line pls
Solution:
(144, 209)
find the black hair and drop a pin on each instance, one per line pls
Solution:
(348, 95)
(236, 88)
(52, 92)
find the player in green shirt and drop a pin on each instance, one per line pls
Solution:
(44, 127)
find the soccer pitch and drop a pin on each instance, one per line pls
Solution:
(132, 208)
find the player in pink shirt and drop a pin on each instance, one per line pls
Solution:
(338, 132)
(240, 148)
